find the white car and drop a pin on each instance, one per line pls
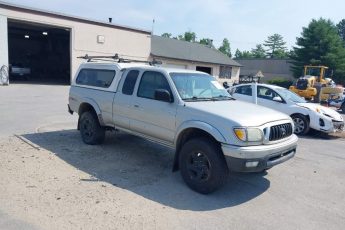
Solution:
(305, 115)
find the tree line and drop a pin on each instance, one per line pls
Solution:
(322, 42)
(190, 36)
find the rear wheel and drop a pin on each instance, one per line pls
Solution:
(91, 131)
(202, 165)
(301, 124)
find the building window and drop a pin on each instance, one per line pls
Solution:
(225, 72)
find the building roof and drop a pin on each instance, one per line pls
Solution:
(270, 68)
(188, 51)
(266, 65)
(11, 6)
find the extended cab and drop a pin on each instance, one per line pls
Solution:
(188, 111)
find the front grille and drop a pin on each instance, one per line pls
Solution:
(278, 132)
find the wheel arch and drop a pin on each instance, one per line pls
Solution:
(191, 130)
(90, 105)
(298, 113)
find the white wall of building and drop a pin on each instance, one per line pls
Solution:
(235, 74)
(3, 41)
(125, 42)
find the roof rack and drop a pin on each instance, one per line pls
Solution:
(116, 58)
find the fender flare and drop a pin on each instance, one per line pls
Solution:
(93, 103)
(199, 125)
(212, 131)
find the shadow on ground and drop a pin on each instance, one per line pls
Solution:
(144, 168)
(315, 134)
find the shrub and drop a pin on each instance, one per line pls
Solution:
(282, 82)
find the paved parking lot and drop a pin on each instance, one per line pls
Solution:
(57, 182)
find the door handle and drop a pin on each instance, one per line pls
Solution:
(136, 106)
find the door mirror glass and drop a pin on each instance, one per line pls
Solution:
(277, 99)
(163, 95)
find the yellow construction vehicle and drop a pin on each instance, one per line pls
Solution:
(314, 85)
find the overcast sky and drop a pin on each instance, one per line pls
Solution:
(244, 22)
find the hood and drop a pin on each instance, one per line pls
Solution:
(242, 113)
(325, 110)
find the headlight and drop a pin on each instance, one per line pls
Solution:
(249, 134)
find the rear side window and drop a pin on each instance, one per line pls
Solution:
(96, 77)
(150, 81)
(131, 79)
(245, 90)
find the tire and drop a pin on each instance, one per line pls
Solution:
(92, 133)
(301, 124)
(203, 166)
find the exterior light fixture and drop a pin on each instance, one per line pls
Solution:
(26, 36)
(45, 33)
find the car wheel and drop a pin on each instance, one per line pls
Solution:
(91, 131)
(301, 124)
(203, 166)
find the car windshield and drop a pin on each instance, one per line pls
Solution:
(291, 96)
(195, 86)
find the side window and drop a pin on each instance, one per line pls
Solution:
(131, 79)
(96, 77)
(150, 81)
(245, 90)
(266, 93)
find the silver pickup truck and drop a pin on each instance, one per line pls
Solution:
(185, 110)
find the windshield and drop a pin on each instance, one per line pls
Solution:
(313, 71)
(195, 86)
(291, 96)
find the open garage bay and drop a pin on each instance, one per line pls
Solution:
(38, 53)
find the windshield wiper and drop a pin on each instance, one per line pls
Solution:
(198, 99)
(221, 97)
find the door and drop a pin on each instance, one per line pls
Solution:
(123, 99)
(243, 93)
(149, 116)
(265, 98)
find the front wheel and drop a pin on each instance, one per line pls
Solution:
(91, 131)
(301, 124)
(203, 165)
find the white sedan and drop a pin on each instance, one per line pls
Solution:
(305, 115)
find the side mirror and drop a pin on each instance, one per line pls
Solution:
(163, 95)
(277, 99)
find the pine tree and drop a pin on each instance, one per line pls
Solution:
(259, 51)
(275, 46)
(320, 44)
(225, 47)
(238, 53)
(341, 29)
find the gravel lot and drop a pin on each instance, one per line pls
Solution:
(57, 182)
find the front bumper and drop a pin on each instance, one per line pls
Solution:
(338, 126)
(329, 126)
(259, 158)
